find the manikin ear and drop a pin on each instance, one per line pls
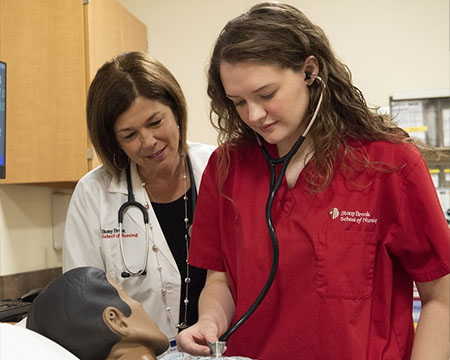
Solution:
(116, 321)
(311, 69)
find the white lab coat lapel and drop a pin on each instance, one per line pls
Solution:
(133, 212)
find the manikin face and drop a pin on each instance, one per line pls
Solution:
(148, 133)
(271, 100)
(141, 327)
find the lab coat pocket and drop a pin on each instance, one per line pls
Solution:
(345, 264)
(111, 255)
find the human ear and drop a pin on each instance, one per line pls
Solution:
(116, 321)
(311, 69)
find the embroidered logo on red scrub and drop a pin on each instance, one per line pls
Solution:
(354, 216)
(334, 213)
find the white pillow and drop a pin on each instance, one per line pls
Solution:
(20, 343)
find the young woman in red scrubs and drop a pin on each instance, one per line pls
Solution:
(357, 216)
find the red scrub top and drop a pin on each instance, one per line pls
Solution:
(348, 255)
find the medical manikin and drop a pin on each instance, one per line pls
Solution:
(85, 312)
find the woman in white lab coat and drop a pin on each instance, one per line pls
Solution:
(137, 121)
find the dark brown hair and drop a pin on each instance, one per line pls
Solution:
(115, 87)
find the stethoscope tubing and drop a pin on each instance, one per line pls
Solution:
(275, 183)
(132, 202)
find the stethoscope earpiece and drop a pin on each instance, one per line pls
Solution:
(309, 76)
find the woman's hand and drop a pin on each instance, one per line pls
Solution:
(216, 309)
(194, 340)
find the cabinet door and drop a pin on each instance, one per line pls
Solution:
(43, 44)
(110, 30)
(53, 50)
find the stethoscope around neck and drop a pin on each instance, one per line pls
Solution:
(128, 272)
(275, 183)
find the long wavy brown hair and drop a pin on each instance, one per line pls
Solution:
(281, 35)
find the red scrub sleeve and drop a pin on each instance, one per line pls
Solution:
(205, 250)
(423, 240)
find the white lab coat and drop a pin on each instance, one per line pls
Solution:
(91, 237)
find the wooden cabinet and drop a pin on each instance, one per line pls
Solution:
(53, 50)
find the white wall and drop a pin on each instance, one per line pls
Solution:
(26, 229)
(390, 46)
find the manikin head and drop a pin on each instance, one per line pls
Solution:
(84, 311)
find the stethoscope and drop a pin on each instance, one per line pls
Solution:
(275, 183)
(132, 202)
